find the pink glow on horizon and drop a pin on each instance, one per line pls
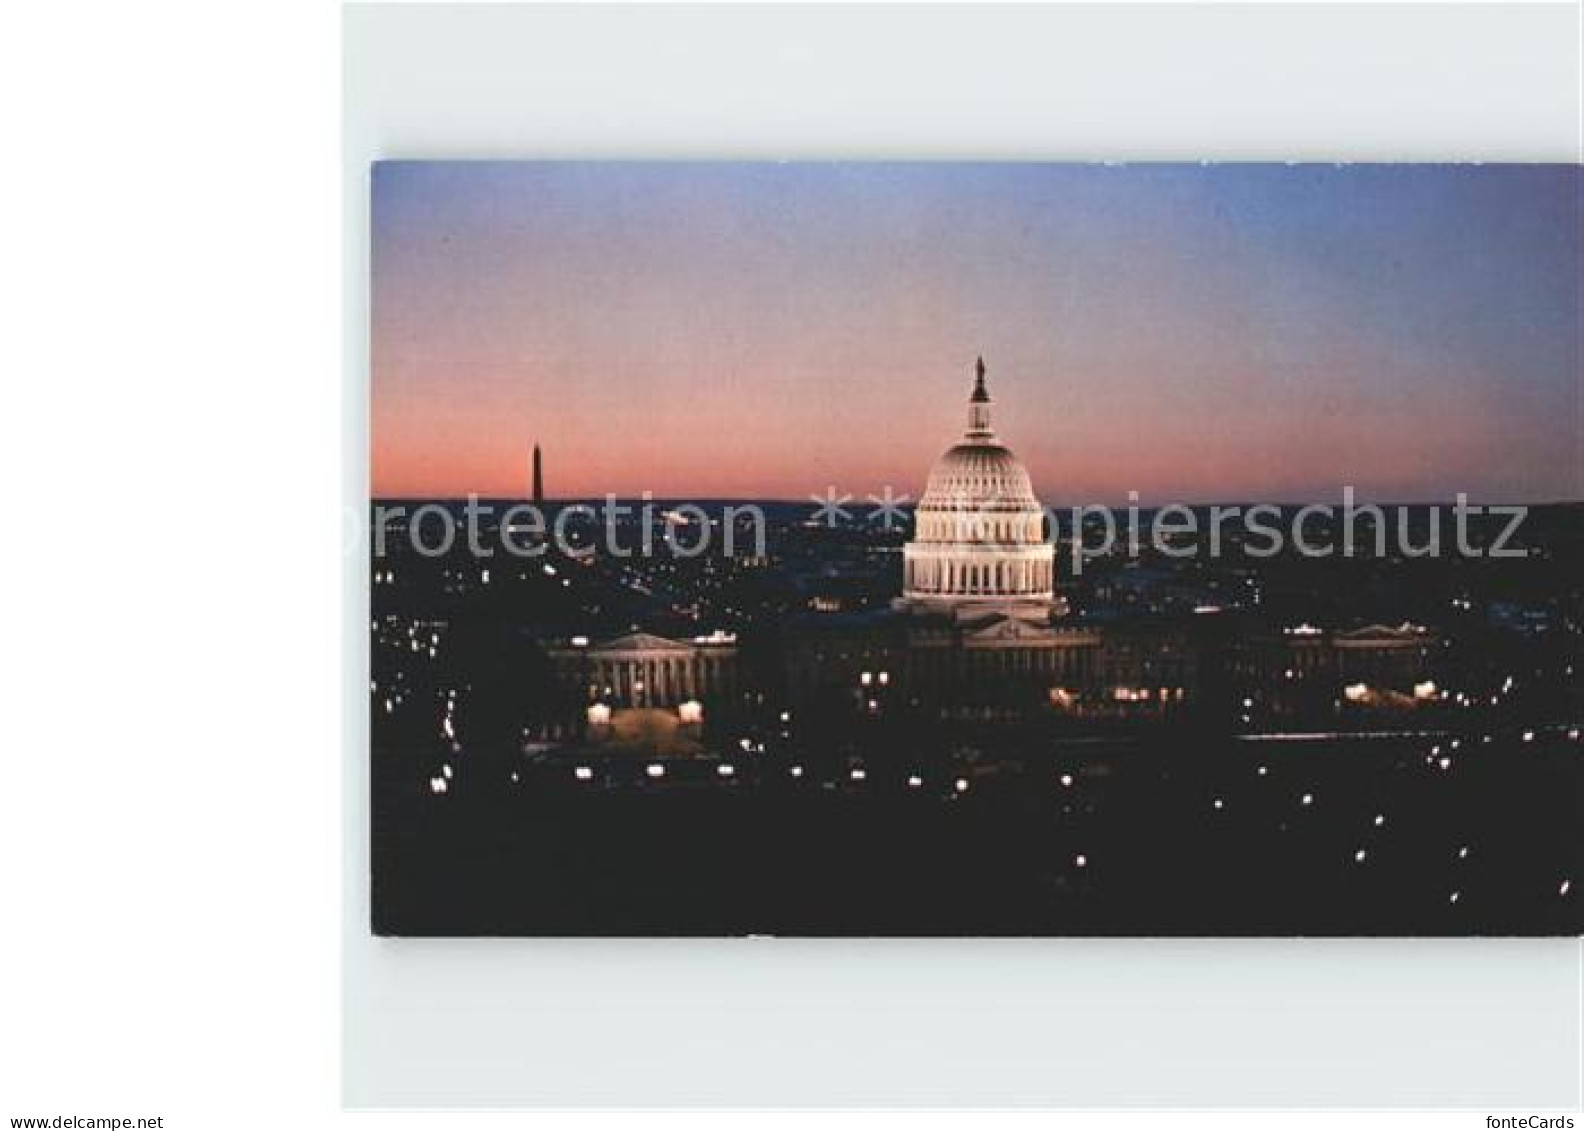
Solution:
(753, 332)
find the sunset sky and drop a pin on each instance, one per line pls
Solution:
(1192, 333)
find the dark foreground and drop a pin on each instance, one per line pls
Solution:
(1398, 836)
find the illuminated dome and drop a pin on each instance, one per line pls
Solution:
(979, 474)
(979, 532)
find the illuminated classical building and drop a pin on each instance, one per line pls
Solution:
(979, 545)
(641, 669)
(979, 624)
(648, 693)
(1305, 666)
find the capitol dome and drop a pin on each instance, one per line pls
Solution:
(983, 473)
(979, 532)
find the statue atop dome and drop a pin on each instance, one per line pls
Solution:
(979, 406)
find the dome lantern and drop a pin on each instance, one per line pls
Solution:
(979, 406)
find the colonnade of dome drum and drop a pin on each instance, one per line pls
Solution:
(1025, 574)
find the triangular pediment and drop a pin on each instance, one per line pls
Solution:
(1005, 628)
(1382, 632)
(641, 642)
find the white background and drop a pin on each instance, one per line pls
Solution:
(182, 699)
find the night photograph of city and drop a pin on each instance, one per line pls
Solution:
(925, 549)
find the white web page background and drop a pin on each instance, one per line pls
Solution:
(1486, 1024)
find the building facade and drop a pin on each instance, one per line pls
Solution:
(641, 669)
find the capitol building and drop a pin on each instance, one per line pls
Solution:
(980, 545)
(980, 618)
(979, 627)
(980, 623)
